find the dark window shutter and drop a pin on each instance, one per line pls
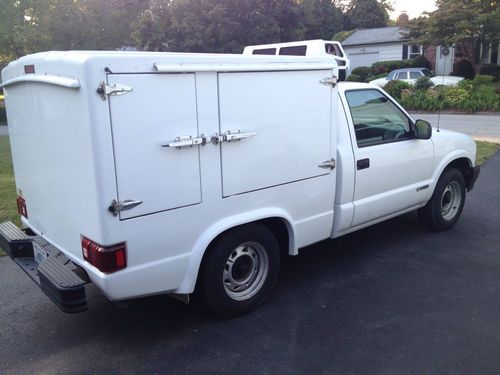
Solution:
(405, 52)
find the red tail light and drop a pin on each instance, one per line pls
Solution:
(105, 258)
(21, 206)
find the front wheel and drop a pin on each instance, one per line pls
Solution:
(240, 270)
(445, 207)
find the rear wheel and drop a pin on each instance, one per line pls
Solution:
(447, 202)
(240, 270)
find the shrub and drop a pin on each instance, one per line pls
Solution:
(354, 78)
(394, 88)
(388, 66)
(463, 68)
(423, 83)
(362, 71)
(491, 70)
(3, 115)
(421, 62)
(482, 79)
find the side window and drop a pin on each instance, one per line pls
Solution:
(376, 119)
(401, 75)
(391, 76)
(415, 75)
(333, 49)
(264, 51)
(293, 51)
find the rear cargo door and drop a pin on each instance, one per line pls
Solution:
(283, 120)
(159, 109)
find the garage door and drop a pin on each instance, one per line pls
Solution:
(363, 59)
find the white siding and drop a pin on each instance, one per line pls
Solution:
(386, 51)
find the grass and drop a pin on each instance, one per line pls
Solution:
(8, 209)
(485, 150)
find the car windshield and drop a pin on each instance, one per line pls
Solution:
(428, 73)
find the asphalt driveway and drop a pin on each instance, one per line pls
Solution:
(390, 299)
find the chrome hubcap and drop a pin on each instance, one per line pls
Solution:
(451, 200)
(245, 271)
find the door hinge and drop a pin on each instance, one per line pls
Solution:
(117, 206)
(104, 90)
(329, 81)
(329, 164)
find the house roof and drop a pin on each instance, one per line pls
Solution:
(376, 36)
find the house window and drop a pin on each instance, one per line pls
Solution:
(414, 51)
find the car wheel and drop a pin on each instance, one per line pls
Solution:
(240, 270)
(447, 202)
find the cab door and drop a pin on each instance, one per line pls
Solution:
(393, 170)
(157, 110)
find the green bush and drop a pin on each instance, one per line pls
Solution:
(482, 79)
(463, 97)
(491, 70)
(394, 88)
(388, 66)
(421, 62)
(363, 72)
(423, 83)
(354, 78)
(463, 68)
(3, 115)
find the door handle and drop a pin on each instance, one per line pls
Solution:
(329, 164)
(363, 164)
(186, 141)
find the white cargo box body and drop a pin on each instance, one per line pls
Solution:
(76, 151)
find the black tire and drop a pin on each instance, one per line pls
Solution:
(435, 215)
(221, 296)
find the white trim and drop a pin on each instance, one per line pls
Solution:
(67, 82)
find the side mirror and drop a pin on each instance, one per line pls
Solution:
(422, 130)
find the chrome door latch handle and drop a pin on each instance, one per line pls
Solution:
(236, 135)
(118, 206)
(186, 141)
(189, 141)
(329, 164)
(230, 136)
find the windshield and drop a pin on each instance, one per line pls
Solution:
(428, 73)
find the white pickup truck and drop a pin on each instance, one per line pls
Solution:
(158, 173)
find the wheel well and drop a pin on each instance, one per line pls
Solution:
(464, 165)
(276, 225)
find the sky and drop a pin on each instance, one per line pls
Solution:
(413, 7)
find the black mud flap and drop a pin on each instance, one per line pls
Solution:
(58, 277)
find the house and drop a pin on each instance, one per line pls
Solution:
(367, 46)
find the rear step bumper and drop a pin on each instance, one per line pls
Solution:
(58, 277)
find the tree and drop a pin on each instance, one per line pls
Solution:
(320, 19)
(456, 20)
(365, 14)
(215, 25)
(37, 25)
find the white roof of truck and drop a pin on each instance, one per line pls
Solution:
(145, 62)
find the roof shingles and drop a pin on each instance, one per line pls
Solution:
(376, 35)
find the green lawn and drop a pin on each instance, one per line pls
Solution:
(8, 209)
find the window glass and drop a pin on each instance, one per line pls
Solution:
(333, 49)
(415, 75)
(428, 73)
(415, 50)
(293, 51)
(391, 76)
(401, 75)
(264, 51)
(376, 119)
